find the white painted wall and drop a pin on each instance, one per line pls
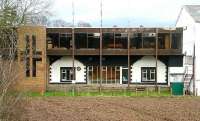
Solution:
(176, 74)
(148, 61)
(187, 22)
(197, 83)
(66, 62)
(198, 87)
(197, 51)
(191, 36)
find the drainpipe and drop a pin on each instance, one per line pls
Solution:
(194, 81)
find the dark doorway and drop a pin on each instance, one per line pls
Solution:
(124, 75)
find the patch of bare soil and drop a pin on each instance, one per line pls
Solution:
(112, 109)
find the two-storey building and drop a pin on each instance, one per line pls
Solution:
(57, 57)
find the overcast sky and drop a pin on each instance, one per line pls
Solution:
(123, 13)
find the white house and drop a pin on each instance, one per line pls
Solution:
(189, 19)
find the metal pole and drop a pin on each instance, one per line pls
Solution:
(101, 5)
(194, 86)
(73, 53)
(156, 79)
(129, 48)
(100, 59)
(73, 42)
(128, 58)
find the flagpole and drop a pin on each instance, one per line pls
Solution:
(100, 53)
(73, 42)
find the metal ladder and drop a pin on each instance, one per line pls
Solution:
(188, 76)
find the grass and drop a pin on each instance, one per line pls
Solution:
(120, 93)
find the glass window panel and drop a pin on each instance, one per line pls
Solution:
(108, 40)
(65, 40)
(81, 40)
(67, 73)
(93, 40)
(117, 76)
(53, 39)
(148, 73)
(109, 75)
(90, 76)
(149, 40)
(117, 68)
(95, 73)
(104, 75)
(136, 40)
(176, 40)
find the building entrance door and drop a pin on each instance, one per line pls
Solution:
(124, 75)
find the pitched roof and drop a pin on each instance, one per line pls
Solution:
(194, 11)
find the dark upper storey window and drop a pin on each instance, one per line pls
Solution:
(81, 40)
(149, 40)
(108, 40)
(121, 40)
(93, 40)
(115, 40)
(176, 40)
(59, 40)
(163, 40)
(53, 40)
(65, 40)
(87, 40)
(136, 40)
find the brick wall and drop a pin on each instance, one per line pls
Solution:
(31, 83)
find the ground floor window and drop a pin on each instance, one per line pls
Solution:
(67, 74)
(110, 74)
(148, 74)
(93, 74)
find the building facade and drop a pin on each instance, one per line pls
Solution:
(98, 56)
(189, 19)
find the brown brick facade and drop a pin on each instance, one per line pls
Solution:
(37, 83)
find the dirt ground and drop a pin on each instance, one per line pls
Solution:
(112, 109)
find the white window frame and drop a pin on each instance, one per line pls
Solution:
(65, 70)
(148, 71)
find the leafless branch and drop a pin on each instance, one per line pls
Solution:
(14, 13)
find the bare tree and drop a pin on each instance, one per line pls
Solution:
(24, 11)
(28, 9)
(40, 20)
(13, 13)
(59, 23)
(8, 73)
(83, 24)
(63, 23)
